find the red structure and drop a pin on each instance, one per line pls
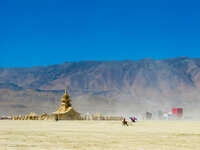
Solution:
(178, 112)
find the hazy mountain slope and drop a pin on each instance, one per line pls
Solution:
(130, 85)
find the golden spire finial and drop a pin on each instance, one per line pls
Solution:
(66, 91)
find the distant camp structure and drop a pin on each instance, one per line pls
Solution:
(5, 118)
(148, 115)
(98, 116)
(177, 112)
(31, 116)
(44, 116)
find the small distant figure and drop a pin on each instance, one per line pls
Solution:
(133, 119)
(56, 118)
(124, 122)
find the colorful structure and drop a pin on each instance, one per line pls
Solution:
(177, 112)
(65, 111)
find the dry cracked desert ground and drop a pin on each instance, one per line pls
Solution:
(99, 135)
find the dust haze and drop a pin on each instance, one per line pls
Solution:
(117, 104)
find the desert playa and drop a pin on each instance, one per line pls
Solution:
(99, 135)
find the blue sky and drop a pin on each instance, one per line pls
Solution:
(44, 32)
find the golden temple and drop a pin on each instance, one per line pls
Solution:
(65, 111)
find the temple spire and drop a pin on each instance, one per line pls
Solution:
(66, 91)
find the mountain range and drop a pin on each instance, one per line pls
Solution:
(108, 87)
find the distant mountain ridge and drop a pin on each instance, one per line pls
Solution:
(104, 75)
(147, 82)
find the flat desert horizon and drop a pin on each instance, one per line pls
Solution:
(99, 135)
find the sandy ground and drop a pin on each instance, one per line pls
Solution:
(99, 135)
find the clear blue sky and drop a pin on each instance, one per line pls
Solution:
(44, 32)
